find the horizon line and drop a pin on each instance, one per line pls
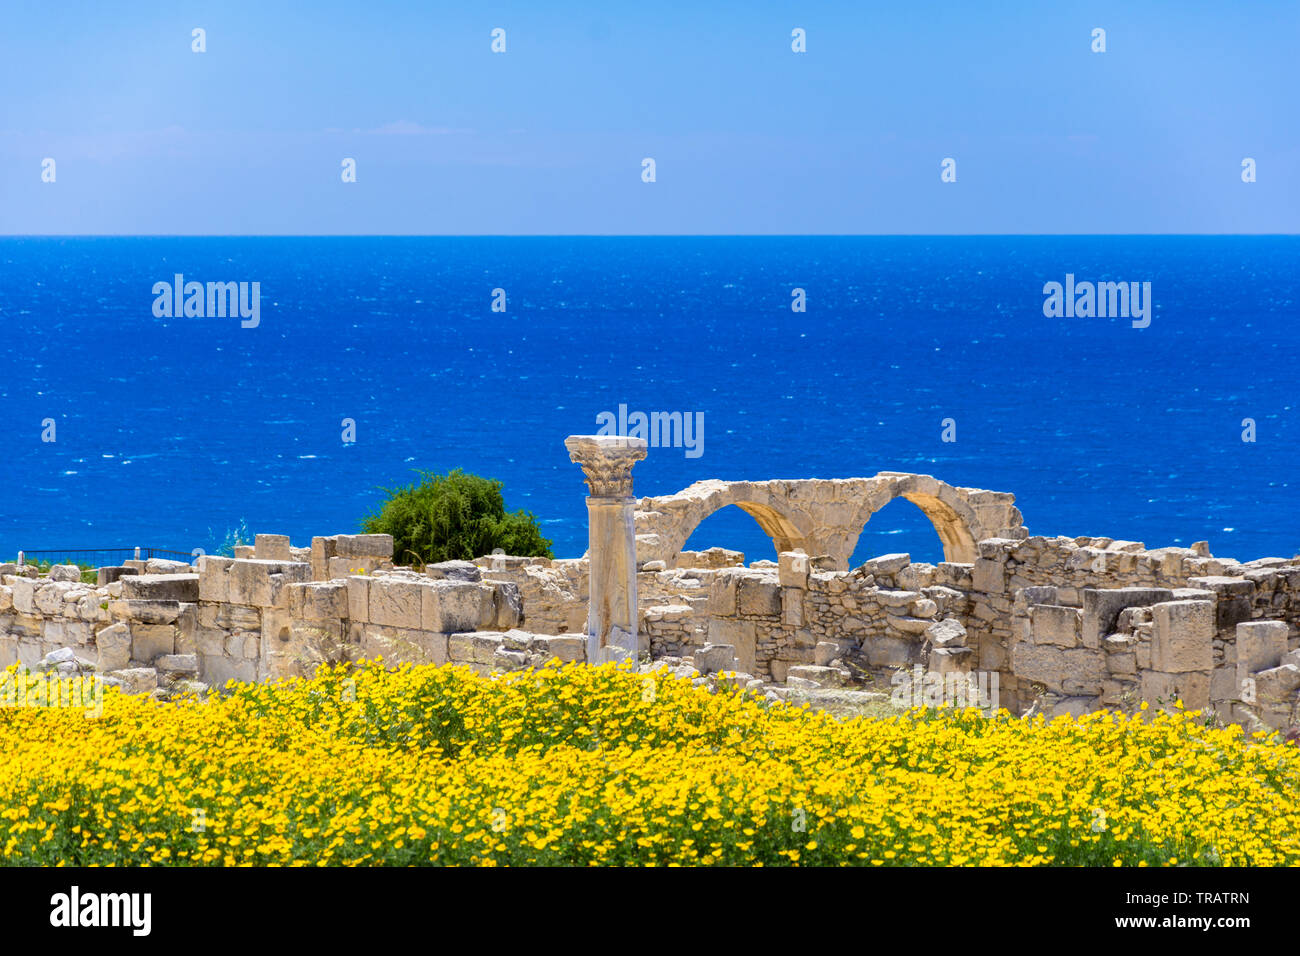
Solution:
(646, 235)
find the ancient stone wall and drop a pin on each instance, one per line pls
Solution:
(1122, 625)
(262, 617)
(1068, 625)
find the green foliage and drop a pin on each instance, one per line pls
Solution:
(454, 516)
(89, 574)
(235, 537)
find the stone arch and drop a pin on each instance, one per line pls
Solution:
(664, 525)
(952, 516)
(827, 516)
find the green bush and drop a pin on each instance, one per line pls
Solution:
(235, 537)
(454, 516)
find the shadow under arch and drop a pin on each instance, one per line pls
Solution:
(898, 526)
(782, 530)
(952, 518)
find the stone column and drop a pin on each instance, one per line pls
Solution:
(607, 462)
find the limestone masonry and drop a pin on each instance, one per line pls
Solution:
(1060, 624)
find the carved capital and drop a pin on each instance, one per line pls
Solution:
(606, 462)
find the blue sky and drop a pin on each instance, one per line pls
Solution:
(748, 137)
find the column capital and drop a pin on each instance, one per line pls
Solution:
(606, 462)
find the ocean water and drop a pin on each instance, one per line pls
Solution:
(171, 431)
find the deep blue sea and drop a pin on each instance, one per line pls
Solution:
(172, 431)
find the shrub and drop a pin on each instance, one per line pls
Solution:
(235, 537)
(454, 516)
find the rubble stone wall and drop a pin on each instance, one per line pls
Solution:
(1069, 625)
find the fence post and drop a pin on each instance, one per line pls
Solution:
(22, 559)
(137, 554)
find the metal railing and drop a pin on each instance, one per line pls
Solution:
(99, 557)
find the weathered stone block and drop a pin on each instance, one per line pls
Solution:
(1163, 688)
(885, 564)
(1260, 645)
(475, 647)
(146, 612)
(825, 652)
(217, 671)
(901, 600)
(113, 648)
(948, 633)
(312, 642)
(1183, 637)
(565, 647)
(1276, 686)
(364, 546)
(343, 567)
(187, 628)
(261, 583)
(271, 547)
(322, 549)
(883, 651)
(1231, 611)
(323, 600)
(950, 660)
(454, 606)
(136, 680)
(453, 571)
(161, 587)
(1044, 594)
(150, 641)
(989, 575)
(24, 594)
(508, 604)
(276, 630)
(802, 638)
(1101, 609)
(359, 597)
(722, 594)
(107, 575)
(792, 607)
(792, 569)
(167, 566)
(230, 617)
(177, 665)
(810, 675)
(29, 652)
(1051, 665)
(759, 596)
(1224, 685)
(65, 633)
(1052, 624)
(1121, 656)
(712, 658)
(740, 636)
(214, 579)
(49, 597)
(908, 625)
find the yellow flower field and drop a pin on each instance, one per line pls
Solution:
(584, 766)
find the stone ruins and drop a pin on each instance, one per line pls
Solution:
(1061, 625)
